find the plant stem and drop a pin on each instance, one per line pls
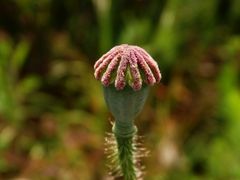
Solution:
(125, 157)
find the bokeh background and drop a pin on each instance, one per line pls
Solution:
(53, 118)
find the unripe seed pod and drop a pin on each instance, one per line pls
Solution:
(121, 67)
(125, 105)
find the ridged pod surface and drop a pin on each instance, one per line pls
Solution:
(127, 64)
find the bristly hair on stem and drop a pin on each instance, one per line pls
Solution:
(124, 155)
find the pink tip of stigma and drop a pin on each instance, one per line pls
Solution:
(116, 62)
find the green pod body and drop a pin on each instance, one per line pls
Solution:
(125, 105)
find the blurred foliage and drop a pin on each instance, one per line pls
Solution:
(52, 115)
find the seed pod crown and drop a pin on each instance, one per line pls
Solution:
(127, 64)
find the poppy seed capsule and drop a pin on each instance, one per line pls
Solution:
(125, 72)
(124, 106)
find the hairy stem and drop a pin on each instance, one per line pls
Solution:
(125, 157)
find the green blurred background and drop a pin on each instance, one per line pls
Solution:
(53, 117)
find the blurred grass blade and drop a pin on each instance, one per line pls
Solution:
(19, 56)
(103, 8)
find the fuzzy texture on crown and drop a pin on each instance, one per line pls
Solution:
(127, 64)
